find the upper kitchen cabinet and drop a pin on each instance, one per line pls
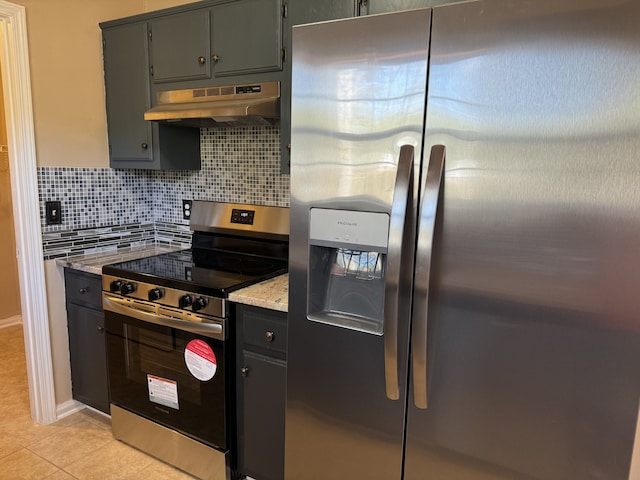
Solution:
(202, 44)
(127, 95)
(370, 7)
(247, 37)
(180, 46)
(134, 142)
(215, 43)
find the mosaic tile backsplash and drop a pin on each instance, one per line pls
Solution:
(106, 208)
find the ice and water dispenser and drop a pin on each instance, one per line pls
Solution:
(347, 255)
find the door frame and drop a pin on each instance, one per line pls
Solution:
(14, 58)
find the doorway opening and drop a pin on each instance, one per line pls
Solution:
(16, 82)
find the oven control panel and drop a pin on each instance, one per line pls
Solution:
(170, 297)
(242, 216)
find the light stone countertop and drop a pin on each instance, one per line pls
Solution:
(93, 262)
(272, 294)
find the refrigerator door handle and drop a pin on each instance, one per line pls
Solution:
(401, 197)
(426, 227)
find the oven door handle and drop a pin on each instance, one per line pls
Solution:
(154, 315)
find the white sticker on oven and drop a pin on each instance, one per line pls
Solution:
(200, 360)
(163, 391)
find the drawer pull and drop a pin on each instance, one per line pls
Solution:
(101, 329)
(269, 336)
(83, 290)
(244, 371)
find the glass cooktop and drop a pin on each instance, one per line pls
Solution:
(199, 271)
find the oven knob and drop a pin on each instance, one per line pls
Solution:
(155, 294)
(128, 288)
(199, 304)
(185, 301)
(115, 286)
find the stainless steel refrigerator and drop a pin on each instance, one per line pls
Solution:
(465, 244)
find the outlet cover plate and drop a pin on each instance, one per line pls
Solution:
(186, 209)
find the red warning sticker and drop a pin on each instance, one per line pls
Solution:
(200, 360)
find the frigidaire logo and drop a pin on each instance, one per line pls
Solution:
(347, 224)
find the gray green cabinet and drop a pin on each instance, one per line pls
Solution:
(206, 43)
(247, 37)
(133, 141)
(370, 7)
(127, 93)
(87, 348)
(180, 46)
(261, 340)
(215, 41)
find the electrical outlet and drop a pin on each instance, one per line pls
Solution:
(186, 209)
(53, 213)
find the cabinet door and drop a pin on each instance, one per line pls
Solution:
(261, 417)
(247, 37)
(385, 6)
(181, 46)
(126, 76)
(307, 11)
(88, 356)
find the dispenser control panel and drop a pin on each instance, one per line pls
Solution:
(351, 229)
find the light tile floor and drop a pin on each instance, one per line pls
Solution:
(79, 446)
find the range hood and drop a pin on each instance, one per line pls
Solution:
(222, 106)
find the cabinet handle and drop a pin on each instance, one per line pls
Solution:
(144, 146)
(244, 371)
(215, 58)
(101, 329)
(83, 290)
(201, 60)
(269, 336)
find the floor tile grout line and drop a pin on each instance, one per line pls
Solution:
(32, 434)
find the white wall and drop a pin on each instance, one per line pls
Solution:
(65, 49)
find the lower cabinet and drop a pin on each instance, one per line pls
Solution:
(87, 349)
(261, 391)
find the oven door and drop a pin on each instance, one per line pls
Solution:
(171, 376)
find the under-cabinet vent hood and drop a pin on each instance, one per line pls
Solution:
(222, 106)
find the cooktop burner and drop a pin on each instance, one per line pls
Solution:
(232, 246)
(207, 272)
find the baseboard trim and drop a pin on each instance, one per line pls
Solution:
(11, 321)
(68, 408)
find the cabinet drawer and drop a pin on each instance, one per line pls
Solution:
(83, 288)
(265, 329)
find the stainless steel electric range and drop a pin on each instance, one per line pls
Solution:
(169, 335)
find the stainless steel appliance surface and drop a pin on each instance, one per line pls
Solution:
(168, 324)
(219, 106)
(463, 300)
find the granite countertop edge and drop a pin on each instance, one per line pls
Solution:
(272, 294)
(93, 262)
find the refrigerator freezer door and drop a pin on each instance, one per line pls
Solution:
(358, 90)
(534, 337)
